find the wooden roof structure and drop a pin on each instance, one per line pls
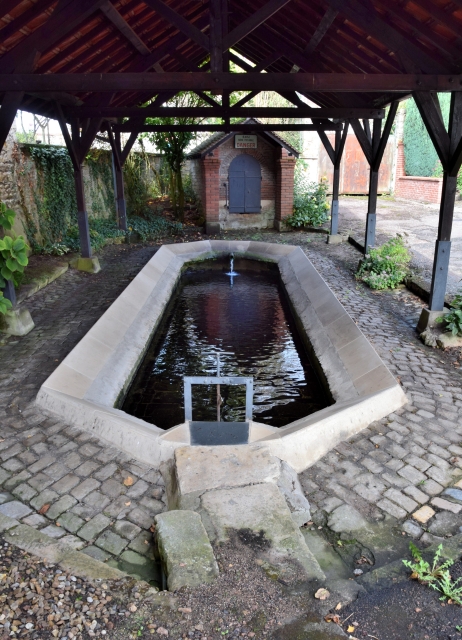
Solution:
(91, 63)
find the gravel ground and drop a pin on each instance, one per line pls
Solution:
(38, 600)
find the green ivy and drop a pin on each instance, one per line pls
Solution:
(5, 304)
(7, 216)
(385, 267)
(99, 162)
(152, 227)
(421, 157)
(13, 256)
(55, 197)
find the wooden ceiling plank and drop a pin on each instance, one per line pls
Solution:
(179, 22)
(370, 21)
(216, 36)
(253, 22)
(21, 21)
(6, 6)
(421, 29)
(66, 17)
(120, 23)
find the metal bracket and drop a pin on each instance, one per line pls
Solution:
(231, 380)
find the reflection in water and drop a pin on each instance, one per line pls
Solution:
(251, 325)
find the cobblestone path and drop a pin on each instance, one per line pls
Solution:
(53, 474)
(410, 458)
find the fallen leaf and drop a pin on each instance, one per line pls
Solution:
(338, 607)
(351, 629)
(133, 608)
(185, 610)
(332, 617)
(127, 504)
(128, 481)
(322, 594)
(418, 610)
(44, 509)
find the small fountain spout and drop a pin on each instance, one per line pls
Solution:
(231, 266)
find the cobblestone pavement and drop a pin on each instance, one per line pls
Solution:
(53, 474)
(56, 477)
(410, 458)
(419, 223)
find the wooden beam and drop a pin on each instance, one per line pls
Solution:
(326, 142)
(125, 29)
(21, 21)
(367, 18)
(252, 22)
(321, 30)
(67, 136)
(239, 127)
(434, 124)
(182, 81)
(10, 106)
(378, 155)
(6, 6)
(179, 22)
(362, 138)
(216, 36)
(66, 17)
(220, 111)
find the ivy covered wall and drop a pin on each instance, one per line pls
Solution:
(37, 182)
(420, 155)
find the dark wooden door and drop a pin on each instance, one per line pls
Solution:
(244, 185)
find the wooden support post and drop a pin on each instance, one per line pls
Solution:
(373, 146)
(448, 145)
(119, 157)
(371, 219)
(335, 154)
(82, 215)
(340, 140)
(9, 292)
(121, 204)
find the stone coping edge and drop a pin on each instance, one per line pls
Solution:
(33, 541)
(86, 387)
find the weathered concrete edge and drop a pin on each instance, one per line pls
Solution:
(308, 440)
(33, 541)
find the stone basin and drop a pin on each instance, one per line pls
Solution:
(87, 386)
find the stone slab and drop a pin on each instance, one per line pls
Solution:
(200, 469)
(345, 519)
(185, 550)
(261, 509)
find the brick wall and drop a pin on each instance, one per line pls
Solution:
(415, 187)
(210, 181)
(284, 187)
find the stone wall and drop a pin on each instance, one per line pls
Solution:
(19, 186)
(415, 187)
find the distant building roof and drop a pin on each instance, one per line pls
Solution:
(216, 139)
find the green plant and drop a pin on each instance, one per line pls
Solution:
(5, 304)
(385, 267)
(310, 203)
(7, 216)
(453, 319)
(101, 183)
(55, 197)
(13, 259)
(435, 575)
(152, 227)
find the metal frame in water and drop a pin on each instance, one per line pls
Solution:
(218, 380)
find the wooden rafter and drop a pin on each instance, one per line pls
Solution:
(179, 22)
(253, 22)
(125, 29)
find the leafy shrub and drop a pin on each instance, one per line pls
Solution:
(453, 319)
(5, 304)
(310, 203)
(385, 267)
(152, 227)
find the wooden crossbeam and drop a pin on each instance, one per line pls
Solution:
(251, 128)
(179, 22)
(321, 30)
(432, 118)
(156, 82)
(253, 21)
(218, 111)
(21, 21)
(125, 29)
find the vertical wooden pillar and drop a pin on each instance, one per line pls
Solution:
(82, 215)
(448, 145)
(369, 240)
(9, 292)
(121, 205)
